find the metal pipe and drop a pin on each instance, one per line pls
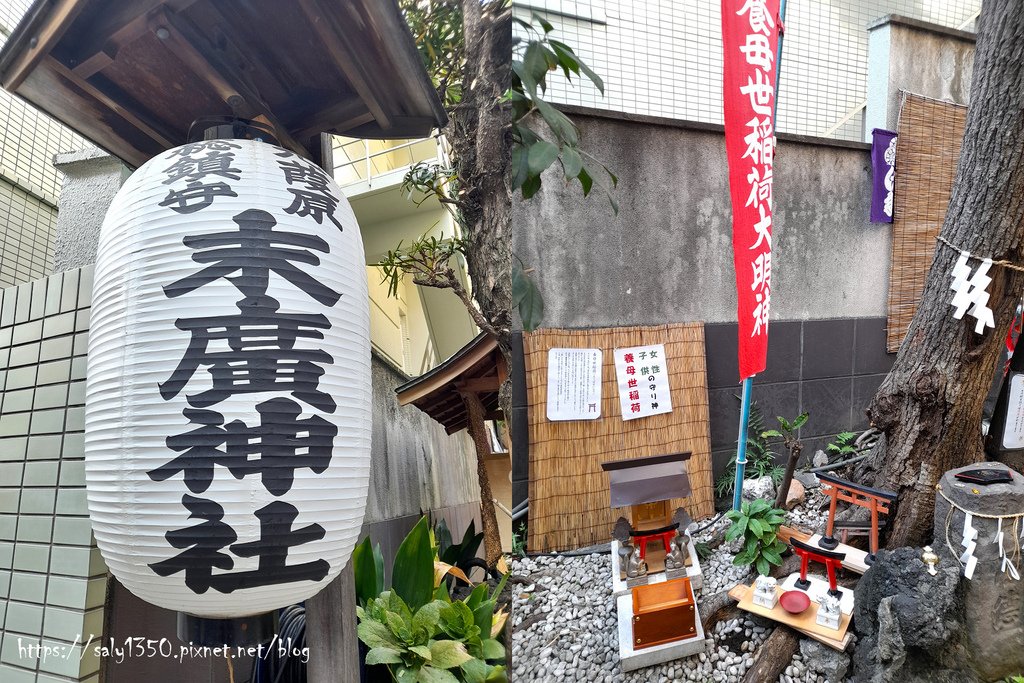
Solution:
(741, 444)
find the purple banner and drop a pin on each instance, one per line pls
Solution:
(883, 174)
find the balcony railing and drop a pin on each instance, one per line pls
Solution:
(378, 163)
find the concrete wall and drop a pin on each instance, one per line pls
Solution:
(667, 256)
(91, 179)
(415, 466)
(914, 56)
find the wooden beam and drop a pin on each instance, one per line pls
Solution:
(479, 384)
(147, 127)
(319, 21)
(225, 79)
(60, 19)
(339, 118)
(115, 29)
(331, 632)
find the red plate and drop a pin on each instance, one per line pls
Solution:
(794, 602)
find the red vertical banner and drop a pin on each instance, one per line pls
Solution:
(750, 37)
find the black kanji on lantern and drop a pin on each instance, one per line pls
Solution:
(194, 169)
(203, 547)
(276, 537)
(196, 196)
(250, 254)
(313, 197)
(257, 351)
(199, 193)
(283, 442)
(261, 355)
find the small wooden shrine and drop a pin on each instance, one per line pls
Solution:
(653, 544)
(655, 568)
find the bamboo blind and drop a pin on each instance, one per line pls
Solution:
(569, 499)
(927, 151)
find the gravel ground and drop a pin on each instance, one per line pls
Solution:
(564, 621)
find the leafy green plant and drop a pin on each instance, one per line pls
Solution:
(532, 154)
(462, 554)
(757, 523)
(760, 457)
(415, 629)
(844, 445)
(519, 540)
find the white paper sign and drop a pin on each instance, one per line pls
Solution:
(643, 381)
(574, 384)
(1013, 432)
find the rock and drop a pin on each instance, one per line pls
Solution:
(820, 459)
(795, 495)
(808, 479)
(822, 659)
(910, 625)
(761, 487)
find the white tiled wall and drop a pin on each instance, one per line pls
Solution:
(29, 183)
(664, 57)
(52, 578)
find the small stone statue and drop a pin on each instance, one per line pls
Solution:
(635, 565)
(678, 551)
(765, 594)
(828, 611)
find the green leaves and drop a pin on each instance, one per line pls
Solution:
(540, 132)
(527, 298)
(368, 566)
(757, 523)
(418, 632)
(412, 575)
(448, 654)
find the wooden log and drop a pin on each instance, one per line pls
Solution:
(773, 656)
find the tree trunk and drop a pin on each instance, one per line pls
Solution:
(481, 137)
(930, 405)
(488, 518)
(787, 478)
(480, 133)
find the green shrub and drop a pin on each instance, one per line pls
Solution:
(757, 523)
(415, 629)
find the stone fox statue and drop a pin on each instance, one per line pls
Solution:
(678, 550)
(629, 554)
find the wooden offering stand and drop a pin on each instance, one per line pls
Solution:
(663, 613)
(805, 622)
(875, 500)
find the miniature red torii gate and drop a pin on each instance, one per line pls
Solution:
(875, 500)
(831, 560)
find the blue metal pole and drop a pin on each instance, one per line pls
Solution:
(741, 440)
(741, 443)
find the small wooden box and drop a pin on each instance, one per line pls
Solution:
(663, 613)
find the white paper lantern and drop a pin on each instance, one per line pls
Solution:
(228, 390)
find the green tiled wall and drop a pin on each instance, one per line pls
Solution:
(52, 578)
